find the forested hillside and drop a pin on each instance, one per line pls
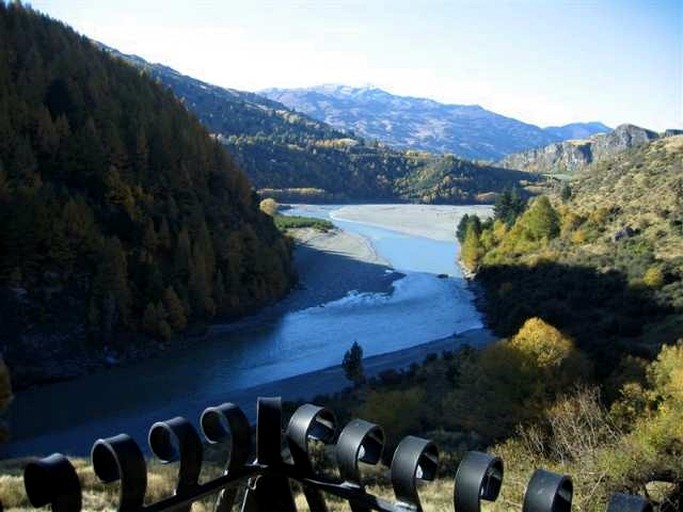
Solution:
(119, 214)
(453, 180)
(603, 259)
(293, 158)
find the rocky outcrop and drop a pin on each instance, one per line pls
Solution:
(561, 157)
(571, 156)
(623, 137)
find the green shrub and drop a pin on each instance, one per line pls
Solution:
(284, 222)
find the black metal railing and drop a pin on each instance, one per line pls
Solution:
(264, 483)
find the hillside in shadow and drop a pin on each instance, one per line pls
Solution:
(598, 309)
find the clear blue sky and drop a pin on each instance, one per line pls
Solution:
(545, 62)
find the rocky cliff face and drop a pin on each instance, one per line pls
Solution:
(574, 155)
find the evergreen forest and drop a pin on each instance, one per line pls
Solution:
(121, 218)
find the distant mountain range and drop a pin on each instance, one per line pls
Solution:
(576, 130)
(291, 157)
(468, 131)
(570, 156)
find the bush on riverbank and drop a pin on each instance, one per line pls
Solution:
(271, 207)
(285, 222)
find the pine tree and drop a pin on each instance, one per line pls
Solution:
(501, 209)
(150, 319)
(199, 286)
(163, 329)
(182, 256)
(471, 249)
(461, 230)
(509, 205)
(219, 289)
(164, 238)
(149, 239)
(541, 220)
(353, 364)
(565, 192)
(174, 307)
(110, 293)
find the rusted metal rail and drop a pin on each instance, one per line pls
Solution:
(263, 483)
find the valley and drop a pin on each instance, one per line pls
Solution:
(167, 244)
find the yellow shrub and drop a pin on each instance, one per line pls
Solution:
(471, 250)
(579, 237)
(558, 361)
(570, 221)
(539, 340)
(269, 206)
(500, 229)
(599, 216)
(653, 277)
(666, 373)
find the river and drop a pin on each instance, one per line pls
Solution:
(418, 307)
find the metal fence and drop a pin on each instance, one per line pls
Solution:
(263, 483)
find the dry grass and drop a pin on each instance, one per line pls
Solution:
(436, 496)
(161, 481)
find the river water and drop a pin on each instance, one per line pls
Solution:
(418, 308)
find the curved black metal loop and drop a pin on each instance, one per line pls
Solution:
(359, 441)
(222, 424)
(548, 492)
(53, 481)
(621, 502)
(120, 458)
(309, 422)
(177, 440)
(227, 422)
(269, 430)
(479, 477)
(414, 459)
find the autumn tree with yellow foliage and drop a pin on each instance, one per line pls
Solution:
(513, 381)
